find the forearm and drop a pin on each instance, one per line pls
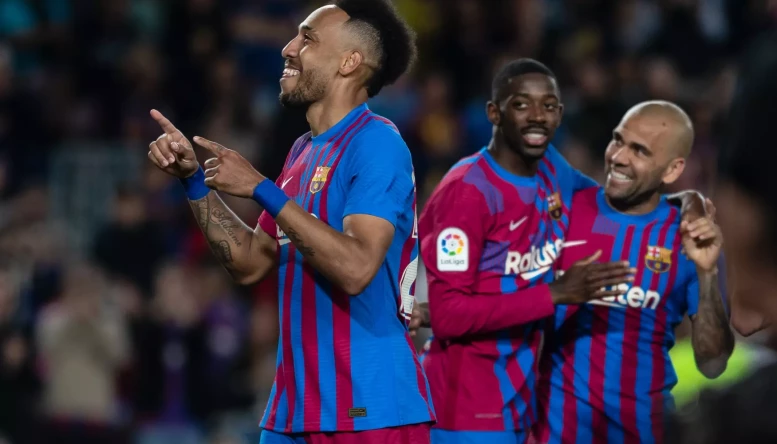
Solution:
(712, 338)
(245, 254)
(342, 259)
(457, 314)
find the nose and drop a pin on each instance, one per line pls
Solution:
(291, 50)
(619, 156)
(536, 114)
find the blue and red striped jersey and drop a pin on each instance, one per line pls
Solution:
(605, 372)
(347, 362)
(489, 239)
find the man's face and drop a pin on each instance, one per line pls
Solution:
(528, 114)
(312, 57)
(637, 159)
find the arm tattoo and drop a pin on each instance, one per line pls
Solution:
(712, 336)
(222, 251)
(227, 222)
(297, 241)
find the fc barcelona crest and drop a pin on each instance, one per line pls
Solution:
(554, 206)
(658, 259)
(319, 179)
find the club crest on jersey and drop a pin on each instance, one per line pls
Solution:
(658, 259)
(554, 206)
(319, 179)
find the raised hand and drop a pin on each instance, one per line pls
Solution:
(229, 171)
(171, 152)
(588, 279)
(702, 242)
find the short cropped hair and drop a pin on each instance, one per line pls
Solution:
(513, 69)
(378, 22)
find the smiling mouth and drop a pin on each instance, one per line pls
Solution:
(290, 72)
(535, 137)
(618, 177)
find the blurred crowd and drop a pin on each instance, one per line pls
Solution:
(115, 324)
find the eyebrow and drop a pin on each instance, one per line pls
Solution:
(304, 27)
(639, 146)
(545, 96)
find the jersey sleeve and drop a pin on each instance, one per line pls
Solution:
(570, 179)
(451, 247)
(381, 175)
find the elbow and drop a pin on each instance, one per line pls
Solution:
(712, 368)
(355, 281)
(354, 287)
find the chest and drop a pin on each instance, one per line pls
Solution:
(525, 238)
(315, 181)
(654, 249)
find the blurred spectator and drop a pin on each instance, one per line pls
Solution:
(83, 343)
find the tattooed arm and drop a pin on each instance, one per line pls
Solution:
(711, 336)
(248, 255)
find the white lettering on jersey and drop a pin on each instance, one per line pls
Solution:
(281, 236)
(452, 250)
(634, 297)
(534, 262)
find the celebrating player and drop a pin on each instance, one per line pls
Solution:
(340, 226)
(605, 374)
(490, 234)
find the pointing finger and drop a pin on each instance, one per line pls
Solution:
(213, 147)
(166, 125)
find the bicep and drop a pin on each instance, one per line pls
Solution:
(373, 234)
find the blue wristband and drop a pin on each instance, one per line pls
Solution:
(270, 197)
(194, 185)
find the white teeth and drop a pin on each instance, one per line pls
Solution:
(534, 137)
(619, 176)
(289, 72)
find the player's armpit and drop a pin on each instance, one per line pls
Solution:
(711, 336)
(349, 259)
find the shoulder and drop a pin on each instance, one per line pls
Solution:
(466, 181)
(297, 147)
(586, 198)
(379, 139)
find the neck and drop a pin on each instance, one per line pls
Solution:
(642, 205)
(338, 102)
(509, 159)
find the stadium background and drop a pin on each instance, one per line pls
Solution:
(115, 324)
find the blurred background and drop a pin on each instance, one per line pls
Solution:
(115, 324)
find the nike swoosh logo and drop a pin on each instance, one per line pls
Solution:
(514, 225)
(286, 181)
(573, 243)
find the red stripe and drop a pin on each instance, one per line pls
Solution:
(569, 405)
(280, 386)
(541, 430)
(657, 349)
(599, 329)
(629, 350)
(387, 122)
(423, 385)
(341, 320)
(288, 353)
(312, 396)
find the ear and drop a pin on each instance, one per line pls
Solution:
(493, 113)
(351, 62)
(674, 170)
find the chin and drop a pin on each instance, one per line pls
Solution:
(534, 152)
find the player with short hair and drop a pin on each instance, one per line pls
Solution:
(490, 234)
(605, 373)
(340, 226)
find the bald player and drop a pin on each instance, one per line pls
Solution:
(605, 372)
